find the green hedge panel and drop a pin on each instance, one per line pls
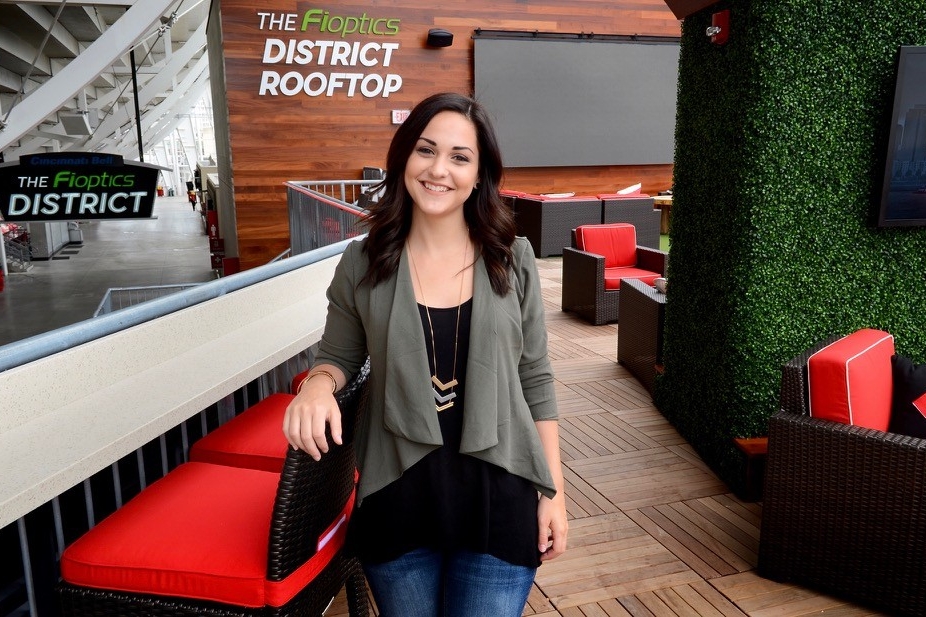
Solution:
(780, 139)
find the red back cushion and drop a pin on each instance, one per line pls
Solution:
(616, 241)
(850, 380)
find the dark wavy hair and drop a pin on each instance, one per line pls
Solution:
(490, 221)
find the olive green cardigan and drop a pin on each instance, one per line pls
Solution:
(509, 381)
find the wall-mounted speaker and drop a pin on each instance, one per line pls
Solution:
(438, 37)
(75, 123)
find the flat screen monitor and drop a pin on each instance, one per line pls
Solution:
(903, 192)
(569, 100)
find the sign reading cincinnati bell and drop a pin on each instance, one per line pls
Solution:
(66, 186)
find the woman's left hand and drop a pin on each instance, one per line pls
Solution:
(553, 525)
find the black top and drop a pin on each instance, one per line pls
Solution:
(449, 501)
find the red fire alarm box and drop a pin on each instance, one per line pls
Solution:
(720, 27)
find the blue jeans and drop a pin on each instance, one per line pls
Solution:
(426, 583)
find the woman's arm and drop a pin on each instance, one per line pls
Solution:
(340, 351)
(313, 408)
(551, 513)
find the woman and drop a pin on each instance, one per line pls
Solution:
(460, 434)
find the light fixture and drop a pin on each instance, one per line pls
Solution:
(438, 37)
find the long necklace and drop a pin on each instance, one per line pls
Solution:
(442, 398)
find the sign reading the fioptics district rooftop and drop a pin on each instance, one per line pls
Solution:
(66, 186)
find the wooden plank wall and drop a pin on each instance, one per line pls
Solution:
(278, 138)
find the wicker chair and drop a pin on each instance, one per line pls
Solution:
(844, 507)
(310, 501)
(547, 221)
(584, 291)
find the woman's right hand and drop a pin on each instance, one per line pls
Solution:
(307, 415)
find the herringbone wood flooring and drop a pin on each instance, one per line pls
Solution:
(653, 532)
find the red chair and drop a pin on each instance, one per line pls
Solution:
(219, 540)
(253, 439)
(844, 502)
(600, 256)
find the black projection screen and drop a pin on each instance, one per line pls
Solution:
(579, 101)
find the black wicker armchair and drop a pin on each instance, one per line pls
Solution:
(844, 507)
(584, 291)
(309, 507)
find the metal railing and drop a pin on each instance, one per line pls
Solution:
(18, 253)
(117, 298)
(345, 191)
(323, 212)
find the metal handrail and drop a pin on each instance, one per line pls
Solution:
(118, 298)
(17, 250)
(48, 343)
(338, 189)
(317, 218)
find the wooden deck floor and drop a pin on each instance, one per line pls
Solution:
(653, 532)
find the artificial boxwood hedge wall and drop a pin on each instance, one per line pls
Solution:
(780, 139)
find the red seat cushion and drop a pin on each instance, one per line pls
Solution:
(613, 276)
(199, 532)
(253, 439)
(617, 242)
(850, 380)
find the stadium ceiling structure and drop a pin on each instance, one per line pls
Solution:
(102, 76)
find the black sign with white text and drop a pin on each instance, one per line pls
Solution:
(67, 186)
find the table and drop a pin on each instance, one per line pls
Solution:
(664, 203)
(641, 311)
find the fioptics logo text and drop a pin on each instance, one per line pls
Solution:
(338, 24)
(91, 181)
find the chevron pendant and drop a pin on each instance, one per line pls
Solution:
(445, 398)
(443, 401)
(443, 386)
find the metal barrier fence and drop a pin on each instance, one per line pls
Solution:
(323, 212)
(17, 252)
(122, 297)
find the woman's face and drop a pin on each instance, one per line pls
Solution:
(443, 168)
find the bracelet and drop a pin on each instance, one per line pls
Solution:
(334, 382)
